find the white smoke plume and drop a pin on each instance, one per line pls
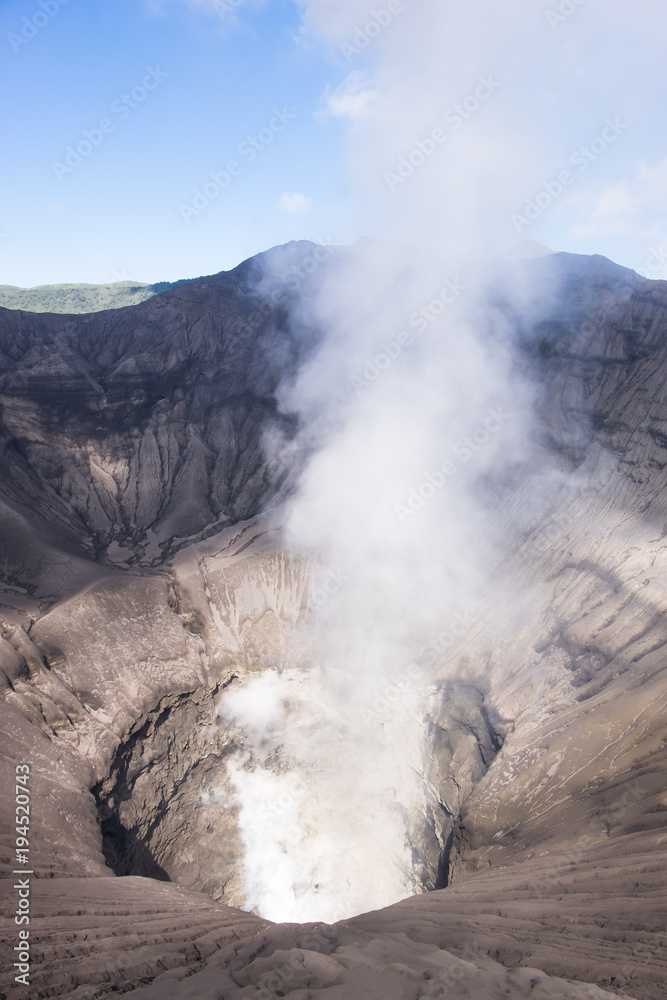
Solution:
(411, 407)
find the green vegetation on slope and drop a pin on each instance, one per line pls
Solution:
(79, 298)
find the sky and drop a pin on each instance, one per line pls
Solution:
(161, 139)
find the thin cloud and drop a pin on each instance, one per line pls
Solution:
(295, 202)
(623, 207)
(354, 99)
(225, 11)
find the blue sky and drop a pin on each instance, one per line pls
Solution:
(224, 78)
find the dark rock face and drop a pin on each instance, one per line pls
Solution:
(155, 789)
(132, 430)
(135, 438)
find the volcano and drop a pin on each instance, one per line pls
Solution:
(159, 664)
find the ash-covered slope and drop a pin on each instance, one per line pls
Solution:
(547, 722)
(129, 431)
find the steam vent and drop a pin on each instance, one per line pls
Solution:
(333, 674)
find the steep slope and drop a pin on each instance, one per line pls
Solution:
(129, 432)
